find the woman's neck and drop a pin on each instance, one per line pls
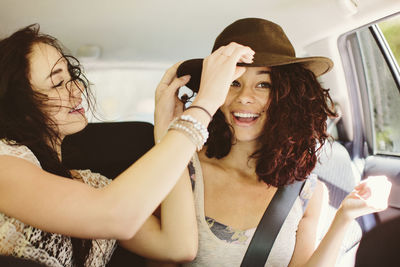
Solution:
(57, 148)
(239, 159)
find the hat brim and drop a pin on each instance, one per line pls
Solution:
(318, 65)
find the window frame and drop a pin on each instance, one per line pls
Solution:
(364, 142)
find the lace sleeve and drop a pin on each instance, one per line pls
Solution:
(93, 179)
(11, 148)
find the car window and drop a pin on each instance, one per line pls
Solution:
(376, 55)
(123, 92)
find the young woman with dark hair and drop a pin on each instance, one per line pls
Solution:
(62, 217)
(266, 136)
(287, 146)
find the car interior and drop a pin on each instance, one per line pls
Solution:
(125, 47)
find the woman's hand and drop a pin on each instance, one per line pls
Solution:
(167, 104)
(371, 195)
(219, 70)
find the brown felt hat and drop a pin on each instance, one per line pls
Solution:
(267, 39)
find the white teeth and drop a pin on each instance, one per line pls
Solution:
(246, 115)
(77, 107)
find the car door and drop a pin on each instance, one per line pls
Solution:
(371, 56)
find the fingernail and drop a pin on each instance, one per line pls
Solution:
(186, 78)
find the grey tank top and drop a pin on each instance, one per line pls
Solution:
(214, 251)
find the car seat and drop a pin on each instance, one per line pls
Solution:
(109, 148)
(336, 170)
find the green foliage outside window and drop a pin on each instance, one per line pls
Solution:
(391, 30)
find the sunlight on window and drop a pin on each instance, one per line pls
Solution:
(124, 94)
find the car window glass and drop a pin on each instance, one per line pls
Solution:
(123, 93)
(383, 92)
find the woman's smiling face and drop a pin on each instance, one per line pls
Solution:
(246, 103)
(49, 76)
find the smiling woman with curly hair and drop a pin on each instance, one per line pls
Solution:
(288, 143)
(265, 138)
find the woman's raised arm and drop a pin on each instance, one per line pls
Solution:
(118, 210)
(371, 195)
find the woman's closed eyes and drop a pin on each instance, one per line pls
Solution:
(59, 84)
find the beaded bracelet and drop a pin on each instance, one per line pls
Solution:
(196, 131)
(197, 125)
(189, 133)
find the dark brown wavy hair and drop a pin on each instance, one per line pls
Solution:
(22, 116)
(294, 131)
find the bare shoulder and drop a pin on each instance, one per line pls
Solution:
(319, 196)
(12, 164)
(320, 189)
(306, 237)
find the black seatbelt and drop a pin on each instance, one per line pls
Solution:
(270, 225)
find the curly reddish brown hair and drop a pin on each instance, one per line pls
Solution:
(294, 131)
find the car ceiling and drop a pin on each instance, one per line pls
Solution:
(171, 30)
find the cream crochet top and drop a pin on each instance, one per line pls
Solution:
(24, 241)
